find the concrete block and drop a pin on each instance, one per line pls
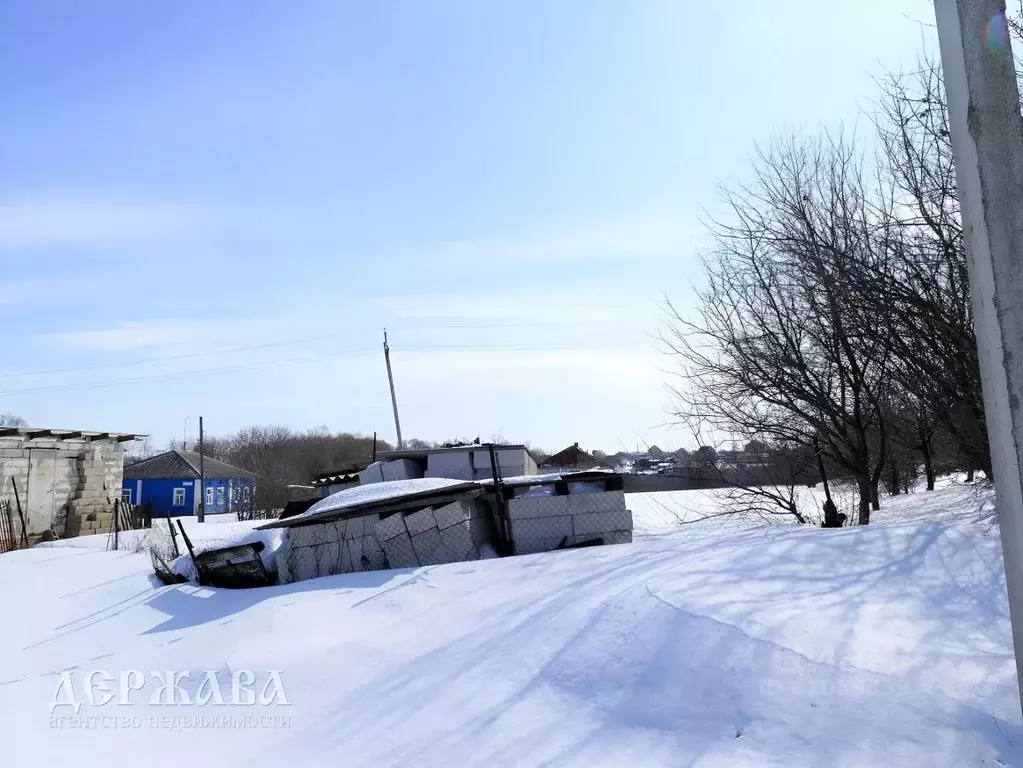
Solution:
(400, 553)
(300, 537)
(372, 474)
(365, 525)
(368, 548)
(457, 544)
(350, 529)
(454, 465)
(389, 527)
(429, 547)
(553, 506)
(542, 528)
(401, 469)
(455, 513)
(421, 521)
(601, 522)
(481, 531)
(533, 545)
(522, 508)
(618, 537)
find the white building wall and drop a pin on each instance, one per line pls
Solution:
(68, 486)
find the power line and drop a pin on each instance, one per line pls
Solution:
(188, 374)
(299, 361)
(306, 340)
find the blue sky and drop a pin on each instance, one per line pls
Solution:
(215, 208)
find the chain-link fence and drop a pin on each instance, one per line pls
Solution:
(542, 521)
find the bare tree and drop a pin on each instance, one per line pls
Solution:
(924, 286)
(782, 349)
(139, 449)
(10, 420)
(280, 457)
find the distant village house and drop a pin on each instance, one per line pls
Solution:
(170, 481)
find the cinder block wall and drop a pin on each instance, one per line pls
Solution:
(68, 486)
(544, 523)
(327, 549)
(448, 534)
(452, 533)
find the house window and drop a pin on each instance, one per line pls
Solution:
(220, 496)
(209, 497)
(126, 495)
(179, 497)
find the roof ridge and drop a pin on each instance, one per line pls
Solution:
(185, 459)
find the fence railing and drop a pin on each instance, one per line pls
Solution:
(12, 535)
(129, 517)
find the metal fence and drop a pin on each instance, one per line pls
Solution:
(12, 534)
(586, 516)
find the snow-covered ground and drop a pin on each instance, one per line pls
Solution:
(778, 645)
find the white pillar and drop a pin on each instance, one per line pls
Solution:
(987, 139)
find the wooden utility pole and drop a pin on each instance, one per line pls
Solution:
(202, 478)
(987, 141)
(394, 400)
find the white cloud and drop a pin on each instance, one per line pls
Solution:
(53, 222)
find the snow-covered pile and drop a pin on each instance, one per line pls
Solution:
(215, 532)
(777, 646)
(205, 537)
(378, 492)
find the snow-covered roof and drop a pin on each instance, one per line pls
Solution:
(367, 497)
(33, 433)
(518, 481)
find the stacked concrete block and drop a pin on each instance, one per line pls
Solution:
(545, 523)
(90, 508)
(386, 471)
(68, 486)
(327, 549)
(456, 465)
(513, 462)
(401, 469)
(393, 537)
(449, 534)
(372, 474)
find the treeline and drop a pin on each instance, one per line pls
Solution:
(281, 457)
(836, 318)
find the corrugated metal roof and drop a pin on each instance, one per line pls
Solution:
(182, 465)
(573, 456)
(49, 433)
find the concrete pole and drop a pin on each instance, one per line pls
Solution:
(987, 140)
(202, 478)
(394, 400)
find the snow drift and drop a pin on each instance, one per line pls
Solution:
(780, 645)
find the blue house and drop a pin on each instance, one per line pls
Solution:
(170, 482)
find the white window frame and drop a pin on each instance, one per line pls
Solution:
(220, 495)
(209, 495)
(178, 499)
(126, 495)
